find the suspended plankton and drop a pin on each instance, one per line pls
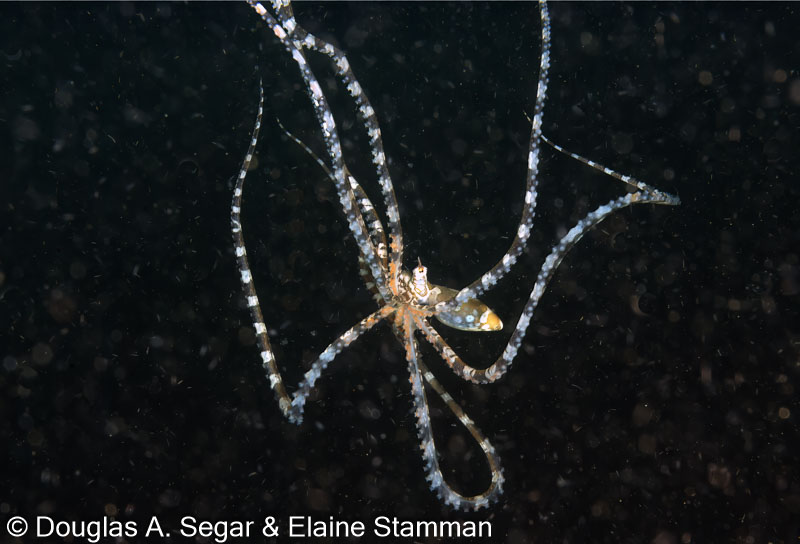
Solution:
(406, 298)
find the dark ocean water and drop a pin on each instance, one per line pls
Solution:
(655, 397)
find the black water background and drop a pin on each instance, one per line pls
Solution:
(130, 379)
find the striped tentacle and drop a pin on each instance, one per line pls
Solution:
(488, 279)
(267, 357)
(325, 119)
(658, 197)
(551, 263)
(462, 370)
(418, 371)
(295, 411)
(377, 235)
(367, 115)
(292, 408)
(645, 194)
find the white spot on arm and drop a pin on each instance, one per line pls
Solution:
(533, 160)
(298, 57)
(315, 89)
